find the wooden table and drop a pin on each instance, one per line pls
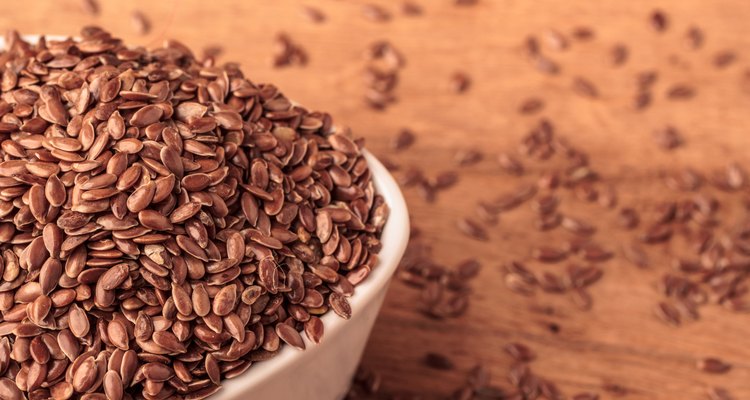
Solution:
(618, 341)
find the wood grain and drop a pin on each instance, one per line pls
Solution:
(619, 341)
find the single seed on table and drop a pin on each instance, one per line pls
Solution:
(510, 164)
(411, 9)
(680, 92)
(90, 7)
(719, 393)
(659, 21)
(581, 299)
(713, 365)
(694, 38)
(577, 226)
(313, 14)
(548, 254)
(468, 157)
(585, 396)
(554, 40)
(656, 234)
(403, 139)
(375, 13)
(668, 138)
(520, 352)
(724, 58)
(619, 54)
(585, 88)
(472, 229)
(438, 361)
(141, 24)
(518, 284)
(531, 105)
(668, 313)
(545, 65)
(460, 82)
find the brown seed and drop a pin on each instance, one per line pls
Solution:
(713, 365)
(438, 361)
(157, 372)
(668, 313)
(375, 13)
(141, 24)
(403, 139)
(520, 352)
(472, 229)
(141, 197)
(79, 321)
(113, 386)
(290, 336)
(212, 369)
(658, 20)
(460, 82)
(585, 88)
(314, 329)
(531, 106)
(548, 254)
(694, 38)
(154, 220)
(468, 157)
(340, 305)
(680, 92)
(619, 54)
(510, 164)
(85, 375)
(313, 14)
(114, 277)
(225, 300)
(118, 334)
(577, 226)
(181, 300)
(90, 7)
(718, 393)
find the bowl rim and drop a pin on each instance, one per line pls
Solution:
(394, 239)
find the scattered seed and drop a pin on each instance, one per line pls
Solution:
(438, 361)
(718, 393)
(141, 24)
(465, 158)
(694, 38)
(91, 7)
(583, 33)
(530, 106)
(403, 140)
(520, 352)
(548, 254)
(472, 229)
(668, 138)
(411, 9)
(510, 164)
(375, 13)
(724, 58)
(555, 40)
(658, 20)
(585, 88)
(460, 82)
(619, 54)
(713, 365)
(680, 92)
(314, 14)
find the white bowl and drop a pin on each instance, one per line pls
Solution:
(324, 371)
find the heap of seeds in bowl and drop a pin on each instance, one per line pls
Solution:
(165, 222)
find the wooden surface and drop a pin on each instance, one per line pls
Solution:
(619, 341)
